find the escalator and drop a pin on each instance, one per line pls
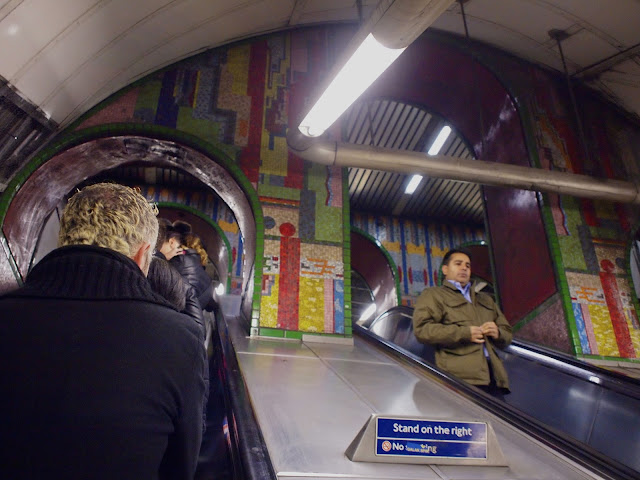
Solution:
(232, 446)
(586, 409)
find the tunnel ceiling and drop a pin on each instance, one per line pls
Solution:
(64, 57)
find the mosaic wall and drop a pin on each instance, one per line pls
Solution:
(592, 237)
(416, 248)
(239, 99)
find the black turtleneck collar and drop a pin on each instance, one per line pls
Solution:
(88, 272)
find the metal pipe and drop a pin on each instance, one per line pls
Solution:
(453, 168)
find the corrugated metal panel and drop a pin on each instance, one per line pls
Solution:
(396, 125)
(23, 130)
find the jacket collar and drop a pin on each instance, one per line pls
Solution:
(90, 273)
(451, 286)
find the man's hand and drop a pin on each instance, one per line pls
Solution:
(476, 334)
(490, 329)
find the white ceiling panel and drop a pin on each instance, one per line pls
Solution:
(618, 20)
(88, 40)
(530, 19)
(583, 49)
(66, 55)
(31, 26)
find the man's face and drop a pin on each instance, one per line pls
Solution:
(458, 269)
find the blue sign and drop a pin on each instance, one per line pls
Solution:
(430, 438)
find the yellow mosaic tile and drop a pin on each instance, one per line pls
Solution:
(269, 302)
(311, 306)
(603, 331)
(413, 249)
(231, 227)
(438, 252)
(392, 246)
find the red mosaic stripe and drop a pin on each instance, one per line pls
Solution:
(289, 283)
(250, 155)
(618, 320)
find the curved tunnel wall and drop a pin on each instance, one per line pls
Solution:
(245, 95)
(371, 263)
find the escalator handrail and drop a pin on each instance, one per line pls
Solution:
(578, 452)
(569, 365)
(252, 451)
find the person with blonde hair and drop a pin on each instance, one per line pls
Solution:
(100, 376)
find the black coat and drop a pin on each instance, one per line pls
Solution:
(99, 377)
(190, 267)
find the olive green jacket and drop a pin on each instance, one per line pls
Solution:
(442, 317)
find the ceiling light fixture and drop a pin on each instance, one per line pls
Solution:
(439, 141)
(413, 184)
(392, 27)
(363, 68)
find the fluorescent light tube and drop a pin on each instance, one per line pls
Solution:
(413, 184)
(439, 141)
(363, 68)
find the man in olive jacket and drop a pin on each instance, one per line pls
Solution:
(464, 326)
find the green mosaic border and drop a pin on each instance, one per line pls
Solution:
(562, 285)
(69, 139)
(610, 359)
(561, 277)
(536, 311)
(385, 252)
(634, 296)
(213, 225)
(346, 253)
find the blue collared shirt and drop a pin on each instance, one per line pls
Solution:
(466, 290)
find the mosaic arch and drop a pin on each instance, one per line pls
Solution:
(45, 181)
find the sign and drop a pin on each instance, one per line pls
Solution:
(430, 438)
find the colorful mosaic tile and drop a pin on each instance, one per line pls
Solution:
(312, 305)
(416, 248)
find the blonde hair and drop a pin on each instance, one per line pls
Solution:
(193, 241)
(111, 216)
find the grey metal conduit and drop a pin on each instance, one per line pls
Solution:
(453, 168)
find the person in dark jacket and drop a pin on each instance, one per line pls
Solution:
(167, 281)
(190, 263)
(99, 376)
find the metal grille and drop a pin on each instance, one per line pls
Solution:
(23, 130)
(396, 125)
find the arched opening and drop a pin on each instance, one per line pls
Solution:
(55, 176)
(373, 285)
